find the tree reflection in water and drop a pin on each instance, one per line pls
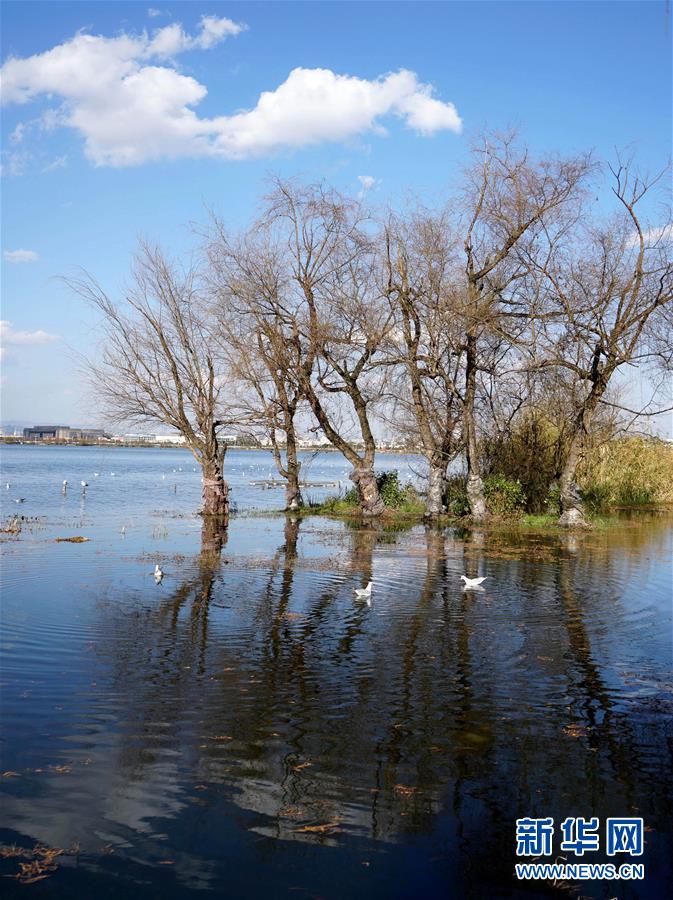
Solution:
(263, 690)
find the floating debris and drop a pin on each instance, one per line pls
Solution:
(77, 539)
(318, 829)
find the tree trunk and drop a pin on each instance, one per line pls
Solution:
(476, 496)
(215, 492)
(293, 498)
(369, 497)
(213, 539)
(436, 489)
(572, 508)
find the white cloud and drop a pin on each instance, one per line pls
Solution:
(20, 256)
(15, 162)
(59, 163)
(17, 135)
(367, 182)
(8, 335)
(316, 105)
(153, 13)
(127, 98)
(662, 234)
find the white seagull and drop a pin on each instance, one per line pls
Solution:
(364, 593)
(84, 484)
(7, 485)
(65, 482)
(158, 574)
(473, 582)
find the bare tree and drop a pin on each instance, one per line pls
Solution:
(256, 327)
(340, 321)
(419, 281)
(608, 300)
(508, 198)
(156, 362)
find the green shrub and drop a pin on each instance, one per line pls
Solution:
(504, 496)
(455, 497)
(391, 491)
(393, 494)
(596, 496)
(553, 501)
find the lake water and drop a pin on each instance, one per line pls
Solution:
(247, 728)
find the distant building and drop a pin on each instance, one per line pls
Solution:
(64, 433)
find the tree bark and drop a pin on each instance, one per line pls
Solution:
(215, 491)
(436, 489)
(293, 497)
(572, 508)
(213, 539)
(369, 497)
(476, 496)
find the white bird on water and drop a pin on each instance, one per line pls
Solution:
(158, 574)
(364, 593)
(473, 582)
(65, 482)
(85, 484)
(7, 485)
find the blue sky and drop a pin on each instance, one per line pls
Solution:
(85, 171)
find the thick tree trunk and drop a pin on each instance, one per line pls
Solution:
(213, 539)
(572, 508)
(215, 492)
(369, 497)
(436, 489)
(476, 496)
(293, 498)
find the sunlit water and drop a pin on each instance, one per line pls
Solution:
(247, 728)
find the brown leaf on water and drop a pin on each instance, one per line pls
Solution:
(41, 865)
(405, 790)
(303, 765)
(574, 730)
(77, 539)
(61, 769)
(291, 812)
(317, 829)
(30, 873)
(13, 850)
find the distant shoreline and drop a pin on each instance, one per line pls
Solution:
(142, 445)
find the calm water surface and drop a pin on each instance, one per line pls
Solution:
(247, 729)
